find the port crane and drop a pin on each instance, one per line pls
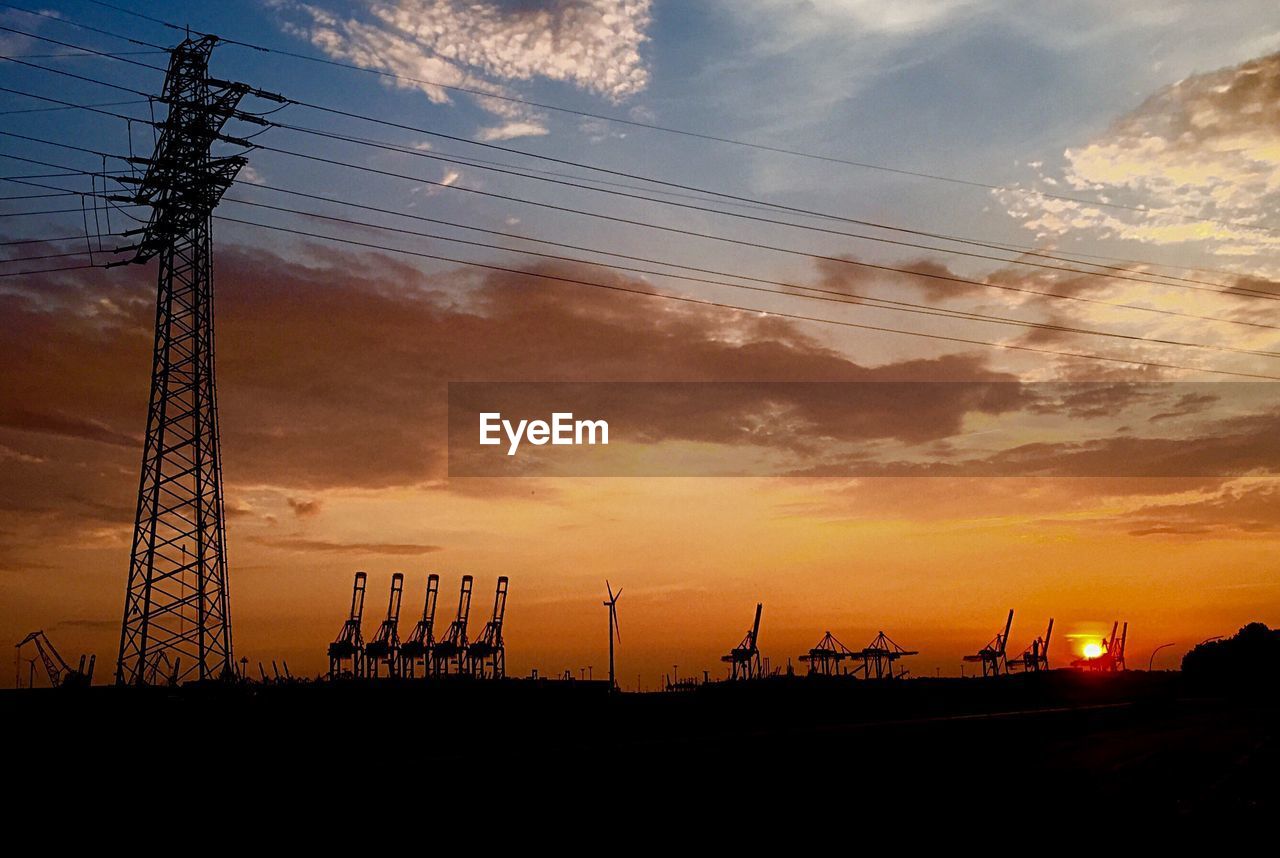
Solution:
(487, 656)
(878, 658)
(1112, 657)
(385, 646)
(449, 654)
(162, 669)
(992, 656)
(1035, 658)
(60, 673)
(346, 653)
(417, 649)
(744, 659)
(826, 659)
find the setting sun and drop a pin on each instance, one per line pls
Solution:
(1092, 650)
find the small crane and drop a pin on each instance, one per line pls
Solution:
(385, 646)
(487, 656)
(744, 659)
(418, 647)
(449, 654)
(60, 673)
(346, 653)
(992, 655)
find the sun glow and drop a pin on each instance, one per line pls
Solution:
(1092, 650)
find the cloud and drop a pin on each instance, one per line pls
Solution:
(871, 17)
(1203, 154)
(590, 44)
(308, 405)
(67, 425)
(1241, 508)
(325, 547)
(304, 507)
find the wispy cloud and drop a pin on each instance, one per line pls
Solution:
(591, 44)
(1203, 154)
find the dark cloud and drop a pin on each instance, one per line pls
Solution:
(1251, 509)
(1188, 403)
(53, 423)
(333, 372)
(304, 507)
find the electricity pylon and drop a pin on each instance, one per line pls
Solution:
(177, 605)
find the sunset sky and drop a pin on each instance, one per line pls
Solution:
(1144, 135)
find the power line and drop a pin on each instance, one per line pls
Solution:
(65, 73)
(549, 242)
(776, 222)
(753, 310)
(80, 26)
(895, 304)
(43, 212)
(830, 295)
(1122, 272)
(87, 50)
(1235, 292)
(55, 256)
(1187, 283)
(956, 314)
(49, 270)
(37, 196)
(41, 240)
(1067, 255)
(686, 133)
(70, 107)
(932, 311)
(918, 308)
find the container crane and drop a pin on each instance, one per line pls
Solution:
(60, 673)
(417, 649)
(487, 657)
(827, 657)
(992, 656)
(1112, 657)
(1035, 658)
(385, 646)
(879, 656)
(346, 653)
(744, 659)
(449, 654)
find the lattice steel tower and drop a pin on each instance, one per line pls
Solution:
(177, 606)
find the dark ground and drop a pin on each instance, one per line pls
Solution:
(1133, 746)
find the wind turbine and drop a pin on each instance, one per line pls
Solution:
(614, 631)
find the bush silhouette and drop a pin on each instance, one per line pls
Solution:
(1248, 661)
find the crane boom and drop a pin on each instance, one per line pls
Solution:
(1008, 627)
(61, 674)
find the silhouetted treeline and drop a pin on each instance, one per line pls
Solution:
(1247, 662)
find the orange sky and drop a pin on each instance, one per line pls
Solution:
(333, 365)
(334, 462)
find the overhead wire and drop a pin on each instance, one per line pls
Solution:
(669, 129)
(705, 191)
(751, 310)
